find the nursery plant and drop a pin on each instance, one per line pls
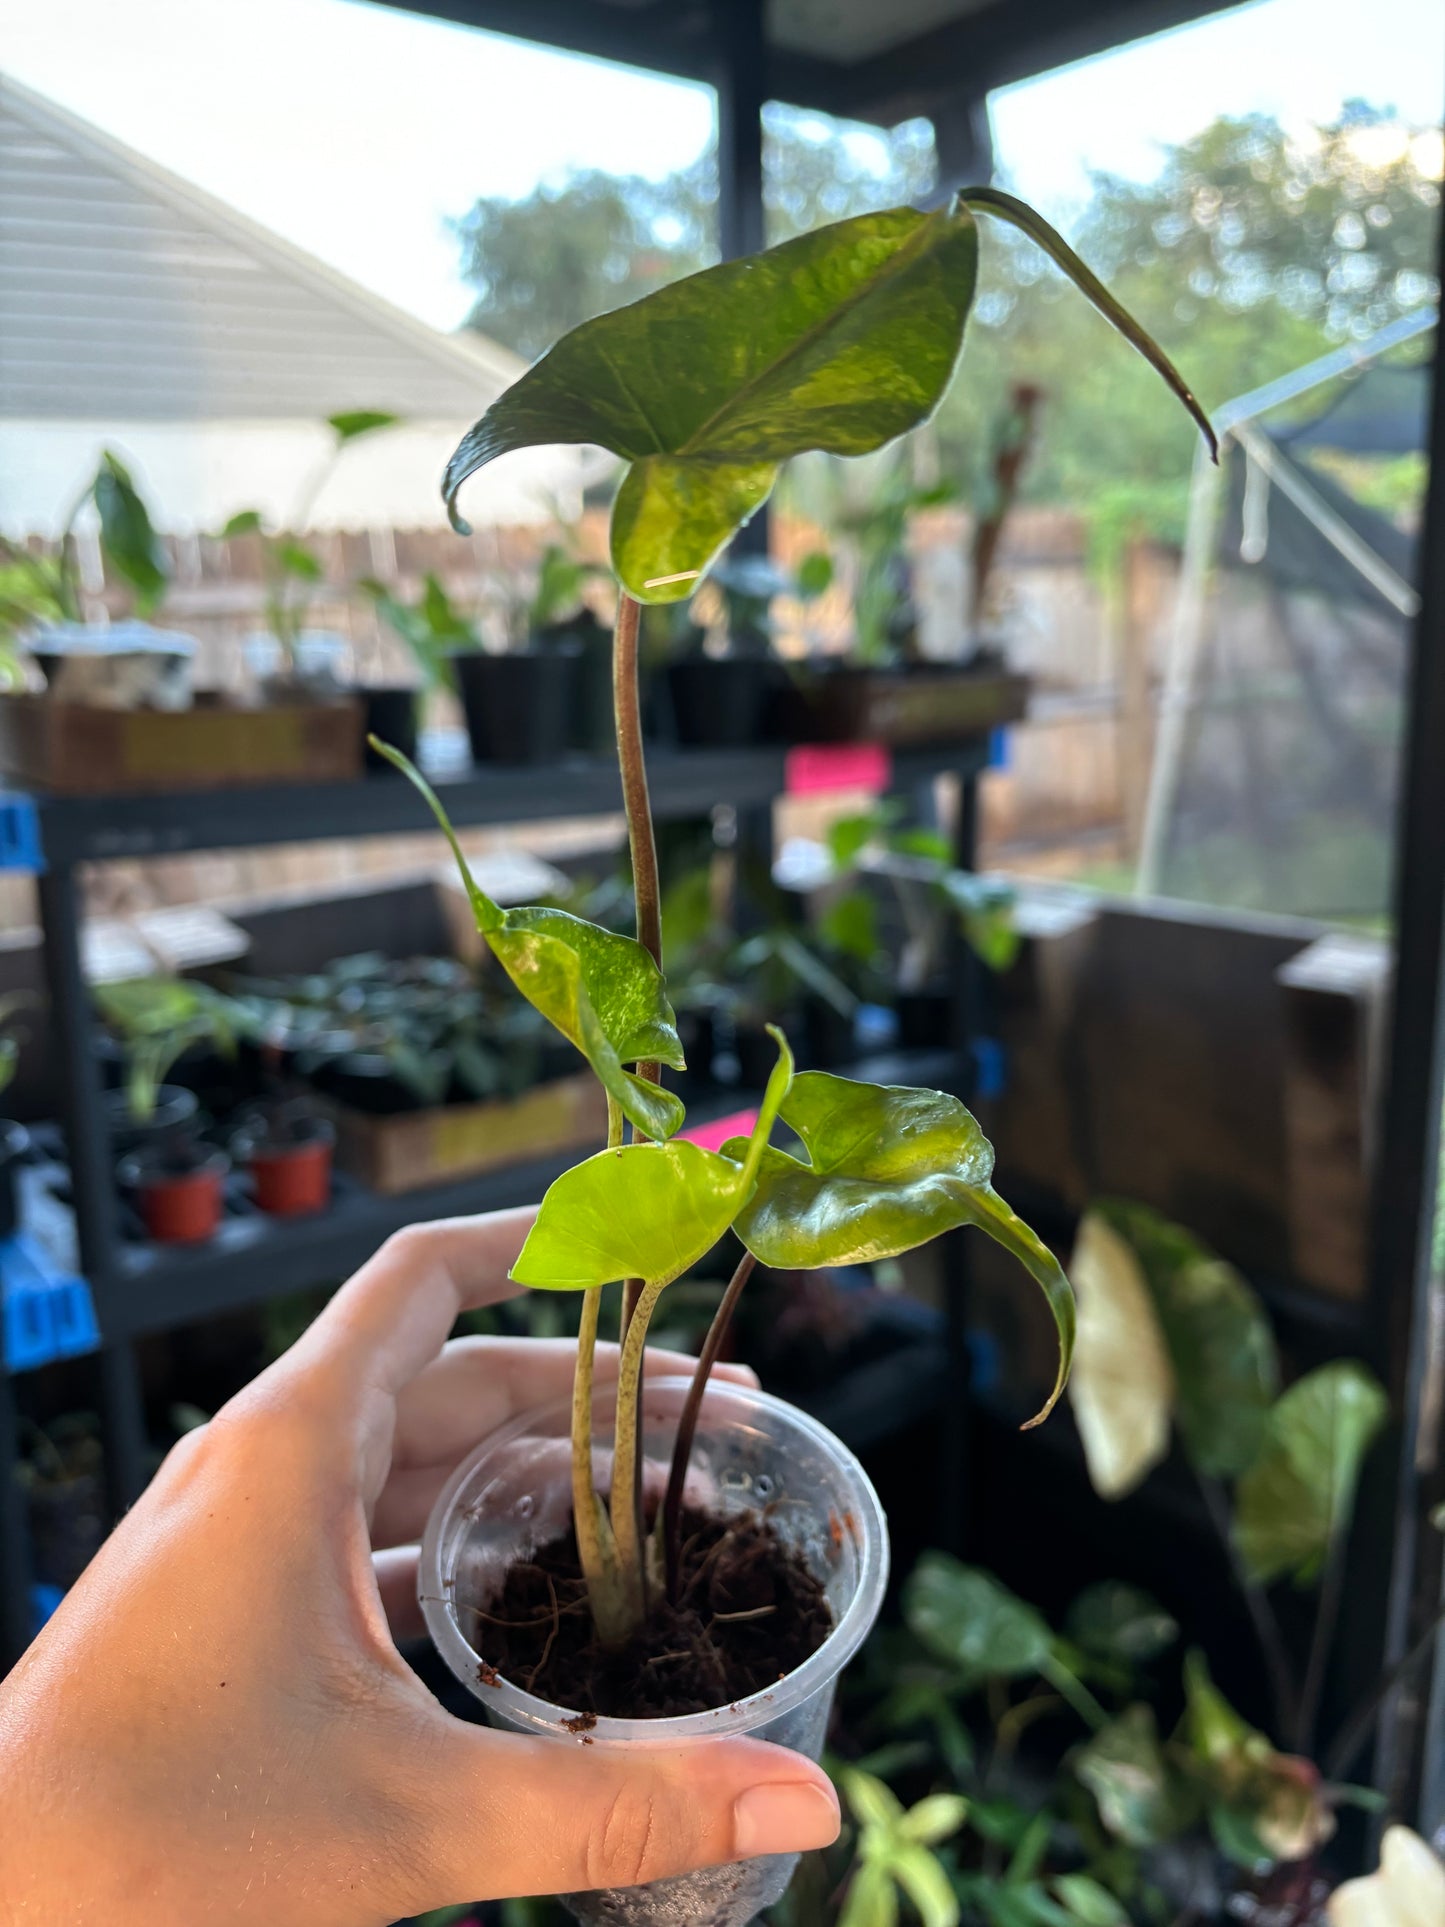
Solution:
(840, 340)
(157, 1019)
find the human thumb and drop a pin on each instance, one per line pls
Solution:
(516, 1815)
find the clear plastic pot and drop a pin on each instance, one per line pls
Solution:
(753, 1453)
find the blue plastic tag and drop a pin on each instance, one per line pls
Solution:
(48, 1313)
(20, 846)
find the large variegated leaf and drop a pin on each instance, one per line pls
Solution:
(968, 1619)
(1226, 1369)
(887, 1168)
(645, 1210)
(1300, 1492)
(1142, 1799)
(1122, 1389)
(1263, 1806)
(602, 991)
(840, 340)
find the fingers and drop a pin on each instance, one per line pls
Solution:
(476, 1385)
(519, 1815)
(393, 1317)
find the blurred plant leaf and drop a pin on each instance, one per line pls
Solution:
(126, 535)
(296, 560)
(1122, 1389)
(646, 1211)
(1226, 1370)
(1263, 1806)
(1089, 1902)
(1407, 1889)
(1115, 1621)
(1141, 1799)
(1300, 1492)
(871, 1900)
(603, 992)
(965, 1617)
(243, 522)
(351, 423)
(894, 1846)
(815, 574)
(887, 1169)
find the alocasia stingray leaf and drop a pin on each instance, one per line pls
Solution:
(602, 991)
(839, 340)
(645, 1210)
(887, 1168)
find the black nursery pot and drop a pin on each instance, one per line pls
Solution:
(719, 702)
(829, 1037)
(14, 1143)
(175, 1106)
(365, 1081)
(391, 716)
(519, 708)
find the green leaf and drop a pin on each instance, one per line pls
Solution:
(1300, 1493)
(840, 340)
(1226, 1370)
(1116, 1621)
(295, 559)
(1141, 1801)
(359, 421)
(871, 1803)
(934, 1819)
(1263, 1805)
(602, 991)
(814, 575)
(126, 535)
(964, 1616)
(927, 1886)
(646, 1210)
(243, 522)
(872, 1900)
(887, 1169)
(1090, 1903)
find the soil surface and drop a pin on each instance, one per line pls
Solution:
(748, 1612)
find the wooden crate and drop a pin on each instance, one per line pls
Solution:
(1334, 1000)
(71, 749)
(418, 1148)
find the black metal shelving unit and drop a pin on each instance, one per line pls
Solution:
(139, 1289)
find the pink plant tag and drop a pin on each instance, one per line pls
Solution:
(713, 1136)
(822, 769)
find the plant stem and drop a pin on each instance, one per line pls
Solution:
(596, 1548)
(717, 1331)
(1327, 1615)
(627, 1457)
(1357, 1727)
(646, 889)
(1261, 1613)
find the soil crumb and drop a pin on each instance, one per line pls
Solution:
(749, 1612)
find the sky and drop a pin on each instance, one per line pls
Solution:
(359, 133)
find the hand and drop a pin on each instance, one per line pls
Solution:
(216, 1724)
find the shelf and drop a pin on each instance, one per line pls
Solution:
(255, 1258)
(683, 783)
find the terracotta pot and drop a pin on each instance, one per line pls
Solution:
(180, 1195)
(293, 1179)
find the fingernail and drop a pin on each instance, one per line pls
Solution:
(785, 1818)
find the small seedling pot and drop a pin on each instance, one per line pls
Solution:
(179, 1190)
(519, 708)
(752, 1453)
(291, 1167)
(391, 716)
(14, 1143)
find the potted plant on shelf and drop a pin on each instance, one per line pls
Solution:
(293, 663)
(724, 697)
(178, 1179)
(437, 633)
(725, 1555)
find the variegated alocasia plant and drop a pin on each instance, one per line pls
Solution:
(840, 340)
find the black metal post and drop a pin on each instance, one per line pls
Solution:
(92, 1179)
(742, 63)
(1410, 1755)
(14, 1536)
